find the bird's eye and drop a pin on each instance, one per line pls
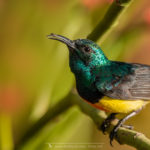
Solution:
(87, 49)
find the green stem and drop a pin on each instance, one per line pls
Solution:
(53, 112)
(109, 19)
(6, 139)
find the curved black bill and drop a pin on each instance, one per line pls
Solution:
(62, 39)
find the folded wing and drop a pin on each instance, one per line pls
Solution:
(127, 83)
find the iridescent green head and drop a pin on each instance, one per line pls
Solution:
(82, 52)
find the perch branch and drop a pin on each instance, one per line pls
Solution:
(114, 11)
(52, 113)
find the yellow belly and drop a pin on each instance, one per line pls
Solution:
(120, 106)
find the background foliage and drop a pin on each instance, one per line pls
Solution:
(34, 71)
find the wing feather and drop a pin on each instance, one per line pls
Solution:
(133, 85)
(141, 87)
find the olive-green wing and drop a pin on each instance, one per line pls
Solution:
(134, 85)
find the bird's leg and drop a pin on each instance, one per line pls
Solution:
(105, 125)
(119, 124)
(127, 126)
(107, 122)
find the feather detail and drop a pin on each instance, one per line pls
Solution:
(130, 82)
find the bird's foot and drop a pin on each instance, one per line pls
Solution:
(120, 123)
(113, 133)
(127, 126)
(105, 125)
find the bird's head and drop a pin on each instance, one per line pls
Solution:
(83, 50)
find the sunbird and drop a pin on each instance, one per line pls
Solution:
(113, 86)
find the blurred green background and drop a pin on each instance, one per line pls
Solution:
(34, 71)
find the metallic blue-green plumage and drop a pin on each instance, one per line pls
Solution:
(96, 76)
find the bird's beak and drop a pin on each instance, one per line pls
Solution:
(62, 39)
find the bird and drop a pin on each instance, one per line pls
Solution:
(112, 86)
